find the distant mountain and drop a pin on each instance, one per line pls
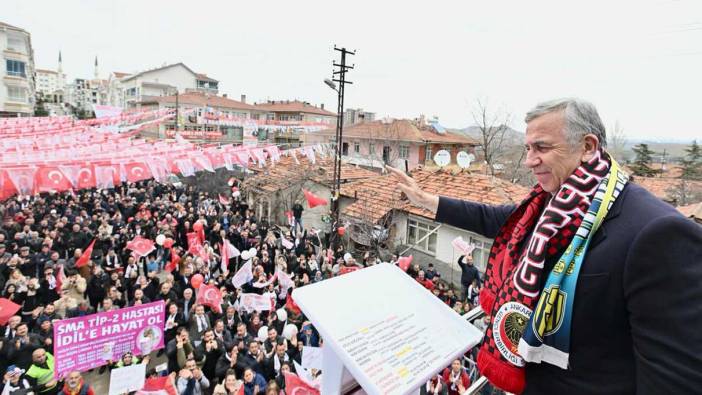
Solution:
(474, 132)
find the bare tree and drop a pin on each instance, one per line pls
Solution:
(492, 127)
(616, 144)
(685, 192)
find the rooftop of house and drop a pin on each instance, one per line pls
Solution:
(286, 171)
(197, 75)
(203, 99)
(664, 187)
(377, 196)
(692, 211)
(204, 77)
(46, 71)
(293, 106)
(401, 130)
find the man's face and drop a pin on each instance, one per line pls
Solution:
(456, 365)
(272, 334)
(188, 293)
(73, 380)
(253, 348)
(49, 309)
(219, 326)
(199, 310)
(190, 365)
(208, 336)
(248, 376)
(241, 330)
(280, 350)
(21, 330)
(549, 155)
(39, 356)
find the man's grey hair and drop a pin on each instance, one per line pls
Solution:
(581, 118)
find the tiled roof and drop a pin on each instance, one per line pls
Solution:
(204, 77)
(46, 71)
(377, 196)
(202, 99)
(400, 130)
(279, 176)
(119, 74)
(693, 211)
(293, 106)
(661, 186)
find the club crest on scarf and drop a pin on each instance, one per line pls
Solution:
(510, 321)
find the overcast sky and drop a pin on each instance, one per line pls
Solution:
(639, 61)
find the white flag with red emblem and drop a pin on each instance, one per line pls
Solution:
(285, 281)
(244, 275)
(141, 246)
(228, 252)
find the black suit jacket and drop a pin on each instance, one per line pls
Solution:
(637, 320)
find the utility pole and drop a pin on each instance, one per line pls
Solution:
(339, 76)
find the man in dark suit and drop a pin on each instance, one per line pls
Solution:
(636, 325)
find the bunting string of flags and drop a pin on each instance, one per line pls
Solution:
(56, 154)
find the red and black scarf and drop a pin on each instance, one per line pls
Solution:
(514, 270)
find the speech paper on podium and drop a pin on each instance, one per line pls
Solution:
(389, 332)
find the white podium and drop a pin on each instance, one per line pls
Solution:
(384, 328)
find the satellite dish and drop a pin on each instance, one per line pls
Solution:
(442, 158)
(464, 159)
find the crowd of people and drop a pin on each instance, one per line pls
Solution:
(207, 351)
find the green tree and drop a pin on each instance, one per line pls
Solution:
(642, 162)
(692, 162)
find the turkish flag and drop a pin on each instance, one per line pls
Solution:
(210, 295)
(295, 386)
(313, 200)
(51, 178)
(141, 246)
(173, 264)
(223, 200)
(348, 269)
(291, 305)
(137, 171)
(404, 262)
(83, 260)
(193, 239)
(158, 386)
(8, 308)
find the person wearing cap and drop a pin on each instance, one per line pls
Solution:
(41, 372)
(13, 382)
(75, 385)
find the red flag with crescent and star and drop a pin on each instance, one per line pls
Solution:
(8, 308)
(210, 295)
(141, 246)
(85, 258)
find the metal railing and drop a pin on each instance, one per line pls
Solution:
(477, 384)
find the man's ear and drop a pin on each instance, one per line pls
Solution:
(590, 145)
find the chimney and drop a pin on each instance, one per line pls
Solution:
(224, 95)
(243, 98)
(321, 106)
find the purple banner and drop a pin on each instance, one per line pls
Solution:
(83, 343)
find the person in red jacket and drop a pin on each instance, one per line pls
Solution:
(456, 378)
(76, 386)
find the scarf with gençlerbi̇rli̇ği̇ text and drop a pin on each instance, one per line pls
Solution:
(562, 225)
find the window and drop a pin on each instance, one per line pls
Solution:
(428, 153)
(356, 147)
(416, 230)
(16, 68)
(15, 44)
(386, 154)
(371, 149)
(131, 92)
(16, 93)
(404, 152)
(345, 149)
(481, 252)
